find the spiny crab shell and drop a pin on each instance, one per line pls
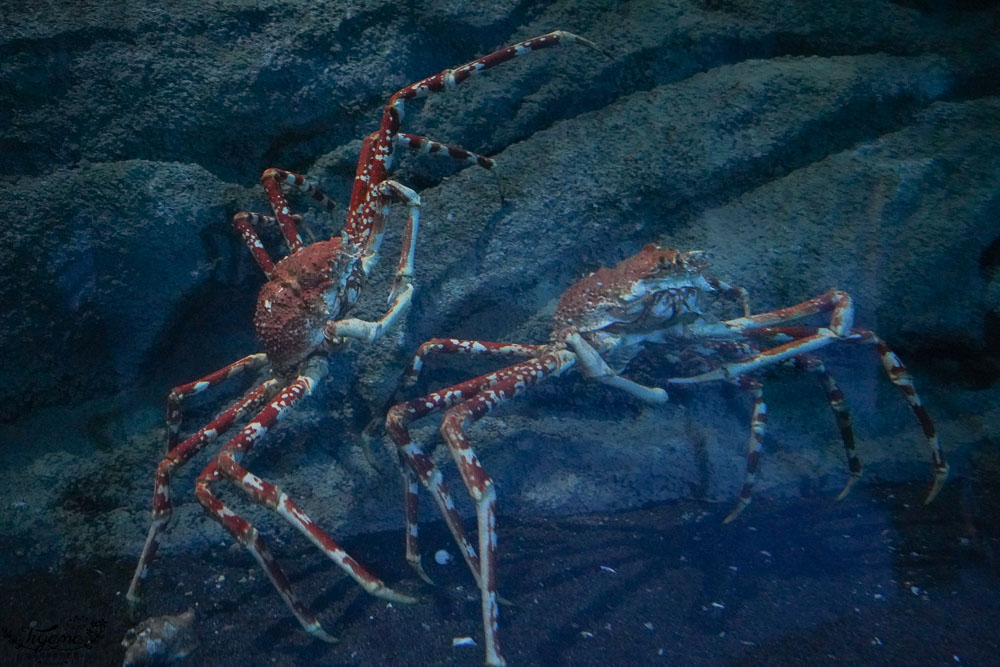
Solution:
(659, 283)
(305, 291)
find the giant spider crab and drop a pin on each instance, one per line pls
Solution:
(300, 320)
(601, 323)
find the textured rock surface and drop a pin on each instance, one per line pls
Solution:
(854, 145)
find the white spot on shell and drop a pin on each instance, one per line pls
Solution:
(250, 479)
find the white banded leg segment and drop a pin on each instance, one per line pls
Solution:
(177, 456)
(181, 392)
(838, 405)
(470, 347)
(758, 427)
(900, 377)
(457, 153)
(250, 538)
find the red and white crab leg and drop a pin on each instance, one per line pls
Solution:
(838, 405)
(900, 377)
(457, 153)
(181, 392)
(516, 379)
(402, 291)
(270, 496)
(179, 455)
(478, 397)
(459, 346)
(366, 210)
(758, 427)
(897, 374)
(758, 424)
(272, 180)
(841, 319)
(243, 223)
(416, 462)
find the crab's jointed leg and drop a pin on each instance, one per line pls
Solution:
(270, 496)
(897, 374)
(470, 401)
(415, 462)
(180, 454)
(366, 211)
(758, 426)
(594, 367)
(181, 392)
(838, 405)
(402, 291)
(802, 340)
(900, 377)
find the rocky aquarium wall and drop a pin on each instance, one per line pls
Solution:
(802, 146)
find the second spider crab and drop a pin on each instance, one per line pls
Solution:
(659, 296)
(301, 319)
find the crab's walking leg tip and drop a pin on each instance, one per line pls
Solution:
(939, 479)
(583, 41)
(740, 506)
(419, 569)
(317, 631)
(851, 481)
(387, 593)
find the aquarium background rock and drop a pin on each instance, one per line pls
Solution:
(850, 145)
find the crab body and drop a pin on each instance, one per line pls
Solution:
(643, 298)
(659, 298)
(301, 318)
(307, 289)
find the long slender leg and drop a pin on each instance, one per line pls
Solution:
(270, 496)
(244, 223)
(181, 392)
(897, 374)
(839, 304)
(250, 538)
(447, 79)
(515, 381)
(416, 462)
(592, 365)
(366, 211)
(177, 456)
(768, 357)
(758, 427)
(402, 291)
(419, 463)
(413, 458)
(457, 153)
(272, 180)
(460, 346)
(900, 377)
(840, 412)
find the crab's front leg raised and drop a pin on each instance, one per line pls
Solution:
(402, 289)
